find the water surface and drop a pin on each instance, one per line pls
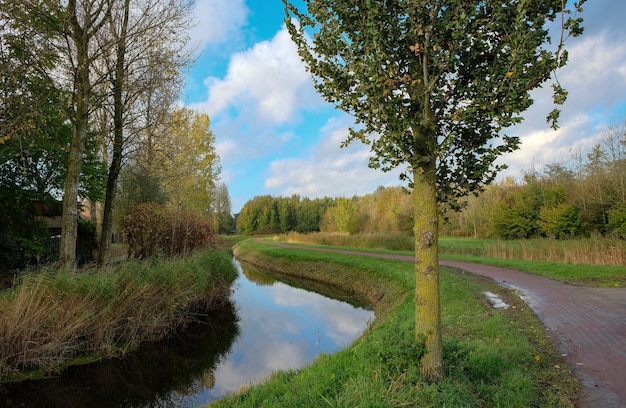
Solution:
(271, 326)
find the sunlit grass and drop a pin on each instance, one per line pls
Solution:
(516, 254)
(492, 357)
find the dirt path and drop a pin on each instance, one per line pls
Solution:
(587, 324)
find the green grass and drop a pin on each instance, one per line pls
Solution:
(518, 254)
(493, 358)
(463, 246)
(583, 251)
(577, 274)
(53, 319)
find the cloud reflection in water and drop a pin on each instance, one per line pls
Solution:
(282, 328)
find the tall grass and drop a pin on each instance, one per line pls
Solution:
(588, 251)
(393, 242)
(51, 318)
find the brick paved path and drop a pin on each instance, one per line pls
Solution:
(587, 324)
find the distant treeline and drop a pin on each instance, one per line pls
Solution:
(385, 210)
(584, 197)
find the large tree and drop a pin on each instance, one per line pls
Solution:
(190, 166)
(148, 53)
(73, 26)
(221, 209)
(81, 21)
(26, 93)
(432, 84)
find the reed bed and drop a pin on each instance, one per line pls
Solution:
(392, 242)
(590, 251)
(57, 317)
(587, 251)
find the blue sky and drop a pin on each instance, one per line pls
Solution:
(275, 136)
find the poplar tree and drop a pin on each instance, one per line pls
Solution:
(147, 56)
(432, 86)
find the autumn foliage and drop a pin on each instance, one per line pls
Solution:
(152, 229)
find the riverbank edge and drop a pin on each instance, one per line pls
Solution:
(122, 303)
(382, 296)
(557, 384)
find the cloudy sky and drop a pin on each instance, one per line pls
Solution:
(276, 136)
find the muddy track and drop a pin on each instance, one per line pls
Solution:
(588, 325)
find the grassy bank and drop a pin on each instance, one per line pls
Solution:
(587, 251)
(55, 318)
(492, 357)
(542, 257)
(588, 262)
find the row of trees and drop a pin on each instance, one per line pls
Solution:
(584, 196)
(387, 210)
(88, 94)
(579, 198)
(267, 214)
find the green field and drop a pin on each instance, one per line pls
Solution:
(493, 358)
(544, 257)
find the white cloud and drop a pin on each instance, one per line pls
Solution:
(328, 170)
(268, 82)
(546, 146)
(341, 322)
(226, 148)
(217, 21)
(595, 78)
(596, 72)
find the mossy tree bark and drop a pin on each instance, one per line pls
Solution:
(427, 304)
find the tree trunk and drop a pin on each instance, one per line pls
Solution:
(427, 307)
(118, 139)
(107, 218)
(69, 223)
(67, 253)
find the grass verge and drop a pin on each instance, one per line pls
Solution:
(493, 358)
(579, 274)
(516, 256)
(53, 319)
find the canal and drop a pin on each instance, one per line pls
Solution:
(269, 326)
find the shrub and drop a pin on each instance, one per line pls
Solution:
(152, 229)
(617, 220)
(561, 222)
(515, 222)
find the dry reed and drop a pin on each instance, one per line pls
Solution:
(53, 317)
(393, 242)
(590, 251)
